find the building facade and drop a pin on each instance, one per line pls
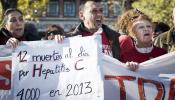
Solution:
(65, 13)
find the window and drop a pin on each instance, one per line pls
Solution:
(53, 8)
(105, 7)
(116, 8)
(69, 8)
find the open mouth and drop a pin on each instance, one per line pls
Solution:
(99, 22)
(146, 34)
(18, 31)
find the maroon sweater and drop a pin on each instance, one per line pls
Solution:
(134, 55)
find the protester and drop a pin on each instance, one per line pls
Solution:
(53, 30)
(160, 28)
(12, 28)
(91, 16)
(167, 40)
(140, 29)
(125, 41)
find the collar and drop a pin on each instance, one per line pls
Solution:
(83, 29)
(6, 33)
(144, 50)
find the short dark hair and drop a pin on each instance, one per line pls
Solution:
(82, 5)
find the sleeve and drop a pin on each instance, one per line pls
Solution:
(158, 42)
(126, 43)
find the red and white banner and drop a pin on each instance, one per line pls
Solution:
(155, 79)
(5, 78)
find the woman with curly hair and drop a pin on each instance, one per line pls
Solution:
(140, 30)
(125, 41)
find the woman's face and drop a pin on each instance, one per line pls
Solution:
(143, 31)
(15, 24)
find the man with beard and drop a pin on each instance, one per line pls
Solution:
(91, 16)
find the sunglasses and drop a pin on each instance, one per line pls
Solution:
(54, 32)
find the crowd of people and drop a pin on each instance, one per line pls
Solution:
(137, 38)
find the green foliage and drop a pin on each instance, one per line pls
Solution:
(157, 10)
(33, 9)
(1, 11)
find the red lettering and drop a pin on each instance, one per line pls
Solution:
(121, 83)
(172, 90)
(5, 82)
(158, 85)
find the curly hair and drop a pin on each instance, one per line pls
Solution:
(125, 18)
(133, 20)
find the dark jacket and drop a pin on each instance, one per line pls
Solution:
(5, 35)
(112, 36)
(29, 35)
(165, 40)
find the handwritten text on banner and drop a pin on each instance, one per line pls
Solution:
(47, 70)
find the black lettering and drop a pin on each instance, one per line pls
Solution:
(82, 52)
(29, 94)
(21, 93)
(76, 68)
(78, 89)
(55, 56)
(22, 55)
(69, 88)
(69, 55)
(88, 87)
(22, 73)
(52, 93)
(37, 69)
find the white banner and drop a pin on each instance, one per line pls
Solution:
(155, 79)
(38, 73)
(47, 70)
